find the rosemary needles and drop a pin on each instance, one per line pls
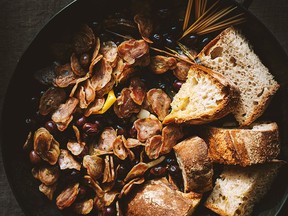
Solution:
(209, 19)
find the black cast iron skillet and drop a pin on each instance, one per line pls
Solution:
(17, 166)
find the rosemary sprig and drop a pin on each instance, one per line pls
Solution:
(171, 54)
(186, 51)
(126, 37)
(211, 19)
(222, 25)
(200, 7)
(199, 20)
(187, 14)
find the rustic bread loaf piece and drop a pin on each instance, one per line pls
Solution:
(197, 169)
(158, 198)
(231, 55)
(239, 188)
(257, 144)
(204, 97)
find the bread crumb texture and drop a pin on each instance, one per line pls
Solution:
(231, 55)
(239, 188)
(204, 97)
(198, 96)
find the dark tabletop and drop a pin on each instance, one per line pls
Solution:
(20, 20)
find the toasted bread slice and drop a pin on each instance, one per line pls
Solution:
(204, 97)
(231, 55)
(197, 169)
(239, 188)
(257, 144)
(158, 198)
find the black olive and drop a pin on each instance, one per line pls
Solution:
(98, 123)
(157, 39)
(170, 161)
(164, 13)
(34, 158)
(158, 171)
(109, 211)
(70, 175)
(81, 121)
(31, 123)
(51, 126)
(96, 27)
(104, 37)
(174, 170)
(133, 132)
(82, 192)
(191, 40)
(175, 30)
(119, 184)
(122, 171)
(90, 128)
(85, 137)
(169, 40)
(204, 41)
(177, 84)
(161, 85)
(120, 130)
(85, 60)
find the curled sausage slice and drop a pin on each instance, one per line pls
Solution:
(138, 90)
(125, 106)
(181, 70)
(46, 146)
(64, 76)
(66, 161)
(67, 197)
(94, 166)
(133, 50)
(107, 139)
(63, 115)
(159, 102)
(51, 99)
(171, 134)
(160, 64)
(147, 128)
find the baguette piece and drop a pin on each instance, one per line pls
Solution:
(231, 55)
(239, 188)
(197, 169)
(257, 144)
(158, 198)
(204, 97)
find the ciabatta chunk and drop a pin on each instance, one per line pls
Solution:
(231, 55)
(197, 169)
(258, 143)
(204, 97)
(239, 188)
(158, 198)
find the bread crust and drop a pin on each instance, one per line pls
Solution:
(267, 94)
(242, 146)
(257, 180)
(158, 198)
(197, 169)
(226, 106)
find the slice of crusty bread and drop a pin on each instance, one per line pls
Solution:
(239, 188)
(204, 97)
(244, 146)
(158, 198)
(197, 169)
(231, 55)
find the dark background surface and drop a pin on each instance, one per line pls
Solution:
(20, 20)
